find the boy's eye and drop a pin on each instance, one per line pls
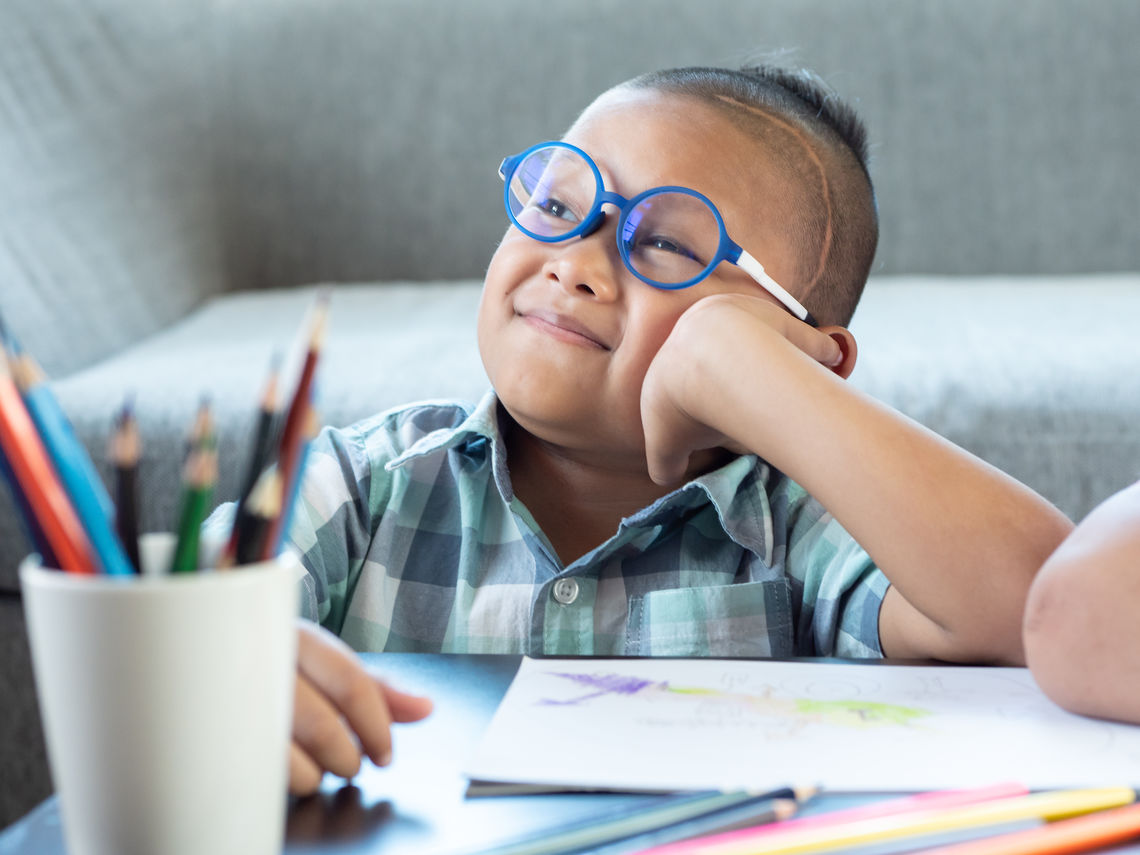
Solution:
(556, 208)
(665, 244)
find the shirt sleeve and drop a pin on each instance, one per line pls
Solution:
(842, 588)
(332, 523)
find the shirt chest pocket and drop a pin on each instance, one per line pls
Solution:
(752, 619)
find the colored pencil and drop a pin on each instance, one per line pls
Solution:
(199, 479)
(945, 837)
(312, 427)
(844, 836)
(677, 809)
(937, 799)
(289, 447)
(257, 519)
(260, 457)
(35, 477)
(1081, 834)
(200, 428)
(125, 451)
(72, 464)
(262, 449)
(758, 814)
(32, 528)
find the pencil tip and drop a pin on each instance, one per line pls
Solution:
(127, 410)
(8, 341)
(804, 792)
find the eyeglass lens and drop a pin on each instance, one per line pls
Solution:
(668, 237)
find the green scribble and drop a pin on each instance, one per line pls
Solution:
(865, 712)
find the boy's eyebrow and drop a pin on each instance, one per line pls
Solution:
(799, 136)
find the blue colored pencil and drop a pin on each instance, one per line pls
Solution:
(290, 502)
(73, 466)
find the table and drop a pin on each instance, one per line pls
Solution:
(416, 806)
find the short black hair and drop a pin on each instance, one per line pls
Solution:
(837, 244)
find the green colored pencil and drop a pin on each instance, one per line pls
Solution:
(199, 479)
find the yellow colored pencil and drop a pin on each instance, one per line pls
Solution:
(1050, 805)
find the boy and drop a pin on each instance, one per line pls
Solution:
(668, 425)
(1081, 616)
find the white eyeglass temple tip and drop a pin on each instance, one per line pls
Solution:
(756, 270)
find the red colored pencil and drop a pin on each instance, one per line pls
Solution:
(292, 434)
(36, 478)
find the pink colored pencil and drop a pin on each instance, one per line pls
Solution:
(934, 800)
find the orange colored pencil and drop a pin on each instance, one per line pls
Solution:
(28, 459)
(1065, 836)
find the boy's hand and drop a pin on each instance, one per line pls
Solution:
(341, 711)
(716, 350)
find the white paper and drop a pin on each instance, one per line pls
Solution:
(653, 724)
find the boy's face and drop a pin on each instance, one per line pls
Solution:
(565, 331)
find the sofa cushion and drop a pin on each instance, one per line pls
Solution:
(1037, 375)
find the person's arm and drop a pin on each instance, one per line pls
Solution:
(1082, 620)
(959, 541)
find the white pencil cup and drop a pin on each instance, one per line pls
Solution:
(166, 703)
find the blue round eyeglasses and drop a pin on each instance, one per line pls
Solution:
(668, 237)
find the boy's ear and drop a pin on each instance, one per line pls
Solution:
(846, 342)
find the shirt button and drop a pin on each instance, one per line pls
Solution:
(566, 591)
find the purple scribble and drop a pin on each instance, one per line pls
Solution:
(603, 684)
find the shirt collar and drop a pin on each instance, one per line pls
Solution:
(736, 490)
(478, 431)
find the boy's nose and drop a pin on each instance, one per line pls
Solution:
(589, 265)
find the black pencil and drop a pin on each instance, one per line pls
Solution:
(265, 430)
(258, 517)
(260, 456)
(125, 451)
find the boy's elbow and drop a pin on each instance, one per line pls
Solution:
(1076, 645)
(1052, 648)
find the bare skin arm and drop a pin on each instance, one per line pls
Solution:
(1081, 623)
(959, 540)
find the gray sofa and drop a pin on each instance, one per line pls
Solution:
(178, 176)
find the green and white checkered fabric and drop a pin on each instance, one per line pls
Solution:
(413, 541)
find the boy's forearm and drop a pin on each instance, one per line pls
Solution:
(959, 540)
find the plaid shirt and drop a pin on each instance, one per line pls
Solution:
(413, 541)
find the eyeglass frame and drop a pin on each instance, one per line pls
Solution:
(727, 249)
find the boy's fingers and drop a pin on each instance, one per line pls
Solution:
(304, 774)
(319, 731)
(361, 698)
(334, 670)
(666, 471)
(405, 707)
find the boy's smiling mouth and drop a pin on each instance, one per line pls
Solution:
(562, 327)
